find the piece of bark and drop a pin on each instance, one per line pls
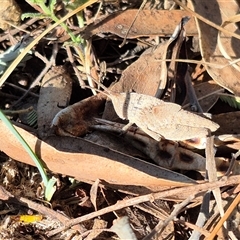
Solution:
(55, 93)
(165, 153)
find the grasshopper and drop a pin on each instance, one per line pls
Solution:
(157, 118)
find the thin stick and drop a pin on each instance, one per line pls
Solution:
(218, 66)
(49, 64)
(194, 189)
(21, 89)
(212, 24)
(194, 227)
(21, 28)
(224, 217)
(134, 20)
(70, 56)
(205, 96)
(30, 46)
(21, 111)
(162, 224)
(232, 163)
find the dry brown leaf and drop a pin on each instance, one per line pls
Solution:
(9, 12)
(148, 23)
(207, 94)
(93, 193)
(218, 12)
(87, 161)
(142, 76)
(148, 75)
(232, 126)
(76, 119)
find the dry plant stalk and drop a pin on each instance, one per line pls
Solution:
(157, 118)
(31, 45)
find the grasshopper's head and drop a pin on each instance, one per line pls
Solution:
(121, 104)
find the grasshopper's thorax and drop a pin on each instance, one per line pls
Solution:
(127, 105)
(130, 105)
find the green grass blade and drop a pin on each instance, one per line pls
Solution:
(34, 157)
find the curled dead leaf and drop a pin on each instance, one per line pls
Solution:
(76, 119)
(55, 93)
(211, 50)
(87, 162)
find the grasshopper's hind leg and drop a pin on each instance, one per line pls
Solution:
(125, 128)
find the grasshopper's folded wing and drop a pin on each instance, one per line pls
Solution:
(170, 121)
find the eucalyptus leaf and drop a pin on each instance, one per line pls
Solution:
(49, 184)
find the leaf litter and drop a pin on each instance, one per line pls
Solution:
(109, 179)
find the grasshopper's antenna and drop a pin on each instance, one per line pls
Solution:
(101, 85)
(98, 90)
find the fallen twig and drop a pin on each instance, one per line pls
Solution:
(195, 189)
(7, 196)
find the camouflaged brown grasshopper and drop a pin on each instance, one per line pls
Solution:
(157, 118)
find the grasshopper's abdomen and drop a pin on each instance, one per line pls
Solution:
(160, 119)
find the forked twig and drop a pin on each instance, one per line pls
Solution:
(162, 224)
(140, 8)
(224, 217)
